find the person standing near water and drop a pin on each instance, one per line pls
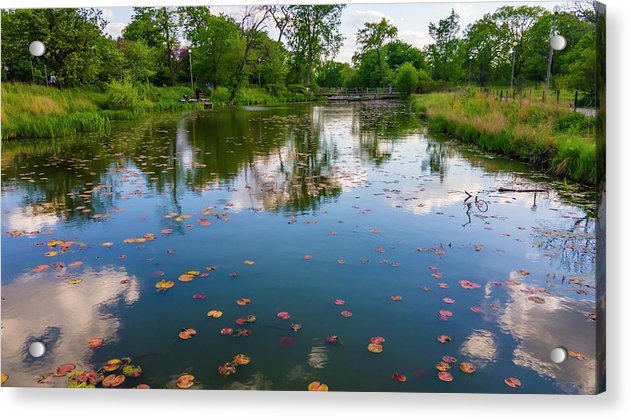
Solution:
(52, 80)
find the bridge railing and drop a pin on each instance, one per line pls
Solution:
(357, 91)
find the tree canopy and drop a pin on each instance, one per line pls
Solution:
(275, 46)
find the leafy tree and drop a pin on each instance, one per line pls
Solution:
(267, 60)
(350, 79)
(140, 60)
(579, 70)
(331, 74)
(216, 44)
(76, 49)
(407, 79)
(444, 52)
(399, 52)
(537, 46)
(159, 28)
(514, 24)
(313, 35)
(483, 44)
(252, 22)
(373, 36)
(370, 67)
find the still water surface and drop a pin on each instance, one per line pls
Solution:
(293, 207)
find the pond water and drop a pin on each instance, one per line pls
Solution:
(293, 207)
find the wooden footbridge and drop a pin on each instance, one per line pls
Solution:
(366, 94)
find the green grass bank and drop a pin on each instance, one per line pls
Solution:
(30, 111)
(550, 136)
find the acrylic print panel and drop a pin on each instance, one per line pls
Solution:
(383, 197)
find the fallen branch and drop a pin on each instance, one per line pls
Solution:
(502, 189)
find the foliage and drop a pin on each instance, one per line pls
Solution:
(331, 74)
(372, 37)
(76, 49)
(313, 36)
(159, 28)
(124, 95)
(236, 51)
(216, 45)
(444, 53)
(537, 133)
(399, 52)
(407, 79)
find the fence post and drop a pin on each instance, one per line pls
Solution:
(575, 100)
(501, 93)
(558, 95)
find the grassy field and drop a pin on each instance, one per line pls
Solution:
(548, 135)
(535, 94)
(30, 111)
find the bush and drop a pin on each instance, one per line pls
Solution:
(124, 95)
(407, 79)
(575, 122)
(542, 134)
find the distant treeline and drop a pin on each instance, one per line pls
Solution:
(164, 46)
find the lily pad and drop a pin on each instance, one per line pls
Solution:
(399, 377)
(241, 359)
(214, 313)
(112, 381)
(227, 369)
(317, 386)
(283, 315)
(63, 370)
(442, 366)
(375, 348)
(467, 367)
(513, 382)
(163, 285)
(95, 343)
(445, 376)
(187, 333)
(185, 381)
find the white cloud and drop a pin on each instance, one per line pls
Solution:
(108, 14)
(359, 17)
(417, 39)
(115, 29)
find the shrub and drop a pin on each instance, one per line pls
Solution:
(407, 79)
(124, 95)
(575, 122)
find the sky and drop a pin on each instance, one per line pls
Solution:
(411, 19)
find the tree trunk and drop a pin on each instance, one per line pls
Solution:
(380, 68)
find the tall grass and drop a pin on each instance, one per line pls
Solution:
(38, 112)
(35, 111)
(548, 135)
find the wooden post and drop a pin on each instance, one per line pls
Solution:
(501, 93)
(558, 95)
(575, 100)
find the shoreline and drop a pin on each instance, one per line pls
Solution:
(557, 143)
